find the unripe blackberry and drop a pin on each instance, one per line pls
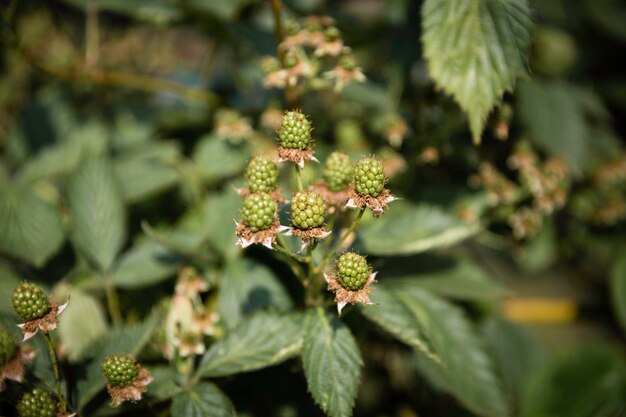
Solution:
(347, 62)
(338, 171)
(8, 346)
(369, 177)
(120, 370)
(352, 271)
(37, 403)
(307, 210)
(295, 131)
(30, 302)
(258, 212)
(262, 174)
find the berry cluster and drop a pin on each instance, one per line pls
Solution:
(352, 271)
(8, 347)
(262, 175)
(369, 177)
(307, 210)
(37, 403)
(259, 211)
(295, 131)
(30, 302)
(338, 171)
(120, 370)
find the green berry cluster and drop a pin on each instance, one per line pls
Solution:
(30, 302)
(37, 403)
(120, 370)
(307, 210)
(262, 174)
(8, 347)
(295, 131)
(258, 212)
(369, 177)
(352, 271)
(338, 171)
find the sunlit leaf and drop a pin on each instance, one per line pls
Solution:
(202, 400)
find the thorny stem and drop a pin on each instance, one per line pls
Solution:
(113, 304)
(55, 369)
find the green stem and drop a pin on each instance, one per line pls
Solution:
(113, 303)
(298, 177)
(55, 369)
(337, 246)
(277, 6)
(285, 251)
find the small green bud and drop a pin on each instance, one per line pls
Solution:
(369, 177)
(30, 302)
(352, 271)
(262, 175)
(120, 370)
(37, 403)
(307, 210)
(259, 211)
(295, 131)
(338, 171)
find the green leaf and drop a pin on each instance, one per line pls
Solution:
(97, 213)
(516, 354)
(30, 229)
(147, 171)
(397, 318)
(159, 12)
(216, 158)
(475, 50)
(56, 160)
(258, 342)
(246, 287)
(82, 323)
(332, 363)
(462, 280)
(409, 229)
(164, 385)
(218, 213)
(467, 372)
(10, 281)
(145, 263)
(202, 400)
(587, 381)
(129, 340)
(618, 290)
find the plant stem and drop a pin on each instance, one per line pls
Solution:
(348, 232)
(295, 265)
(55, 369)
(113, 303)
(285, 251)
(277, 6)
(298, 177)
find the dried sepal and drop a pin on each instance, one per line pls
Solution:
(134, 392)
(377, 204)
(297, 156)
(46, 324)
(266, 237)
(15, 368)
(344, 296)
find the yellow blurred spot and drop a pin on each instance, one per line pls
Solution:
(540, 310)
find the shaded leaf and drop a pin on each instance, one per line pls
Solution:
(246, 287)
(462, 280)
(409, 229)
(97, 212)
(467, 372)
(129, 340)
(30, 229)
(202, 400)
(332, 363)
(618, 290)
(216, 158)
(391, 314)
(587, 381)
(475, 50)
(145, 263)
(10, 281)
(258, 342)
(164, 385)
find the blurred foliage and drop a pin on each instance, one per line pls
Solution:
(125, 128)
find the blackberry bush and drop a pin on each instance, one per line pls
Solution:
(352, 271)
(338, 171)
(259, 211)
(30, 301)
(369, 177)
(120, 370)
(262, 175)
(307, 210)
(37, 403)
